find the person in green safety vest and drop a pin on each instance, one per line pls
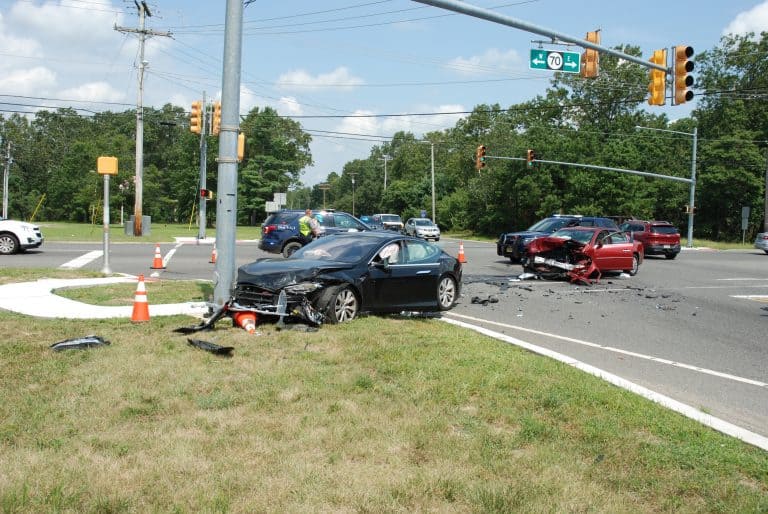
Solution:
(309, 228)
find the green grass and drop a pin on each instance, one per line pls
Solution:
(378, 415)
(159, 232)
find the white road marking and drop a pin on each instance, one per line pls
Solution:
(665, 401)
(690, 367)
(82, 260)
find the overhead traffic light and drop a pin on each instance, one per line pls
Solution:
(206, 193)
(196, 117)
(216, 119)
(590, 59)
(657, 78)
(530, 156)
(240, 147)
(683, 66)
(480, 158)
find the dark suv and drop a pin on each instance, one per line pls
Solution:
(514, 244)
(280, 231)
(658, 237)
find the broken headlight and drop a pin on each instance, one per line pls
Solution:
(302, 288)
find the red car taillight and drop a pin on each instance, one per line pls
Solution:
(765, 236)
(268, 228)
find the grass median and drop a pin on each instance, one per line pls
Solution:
(384, 414)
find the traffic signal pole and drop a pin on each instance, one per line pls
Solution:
(226, 201)
(486, 14)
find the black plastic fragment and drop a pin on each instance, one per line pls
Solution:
(80, 343)
(211, 347)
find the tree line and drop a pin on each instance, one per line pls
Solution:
(588, 121)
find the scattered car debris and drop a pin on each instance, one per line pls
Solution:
(211, 347)
(485, 301)
(80, 343)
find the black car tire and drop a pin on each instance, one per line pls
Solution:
(635, 266)
(291, 247)
(339, 304)
(447, 293)
(670, 255)
(8, 244)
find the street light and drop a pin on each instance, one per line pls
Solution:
(692, 194)
(353, 192)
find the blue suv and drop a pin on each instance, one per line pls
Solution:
(515, 244)
(280, 231)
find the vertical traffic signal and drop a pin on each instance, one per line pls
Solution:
(240, 147)
(590, 59)
(480, 158)
(530, 156)
(683, 66)
(206, 193)
(657, 78)
(216, 119)
(196, 117)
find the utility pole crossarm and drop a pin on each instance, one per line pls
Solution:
(487, 14)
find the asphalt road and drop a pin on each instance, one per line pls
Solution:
(693, 328)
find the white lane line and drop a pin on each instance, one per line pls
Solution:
(665, 401)
(690, 367)
(82, 260)
(740, 279)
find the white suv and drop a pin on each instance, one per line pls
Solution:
(17, 236)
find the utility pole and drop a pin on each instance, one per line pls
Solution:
(385, 159)
(143, 33)
(434, 216)
(765, 205)
(6, 172)
(353, 191)
(226, 201)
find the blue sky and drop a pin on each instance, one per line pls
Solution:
(327, 63)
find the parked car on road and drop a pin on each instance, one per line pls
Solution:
(389, 221)
(580, 253)
(280, 231)
(515, 244)
(18, 236)
(658, 237)
(423, 228)
(335, 278)
(761, 241)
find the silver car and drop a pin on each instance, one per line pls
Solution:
(423, 228)
(761, 241)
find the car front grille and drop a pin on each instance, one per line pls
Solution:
(249, 295)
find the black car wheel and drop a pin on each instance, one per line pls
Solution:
(670, 255)
(291, 247)
(635, 266)
(8, 244)
(446, 293)
(340, 304)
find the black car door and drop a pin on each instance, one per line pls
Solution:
(408, 281)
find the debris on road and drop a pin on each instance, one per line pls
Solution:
(80, 343)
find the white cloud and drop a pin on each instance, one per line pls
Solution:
(493, 60)
(95, 92)
(290, 106)
(754, 20)
(27, 82)
(301, 80)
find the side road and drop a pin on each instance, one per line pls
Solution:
(37, 299)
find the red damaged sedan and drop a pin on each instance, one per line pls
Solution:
(583, 253)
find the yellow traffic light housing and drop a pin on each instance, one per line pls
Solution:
(683, 66)
(240, 147)
(216, 119)
(657, 79)
(590, 59)
(480, 158)
(196, 117)
(530, 156)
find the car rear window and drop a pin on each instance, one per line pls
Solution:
(663, 229)
(280, 218)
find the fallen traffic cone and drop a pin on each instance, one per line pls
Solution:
(213, 255)
(462, 259)
(157, 262)
(140, 306)
(246, 320)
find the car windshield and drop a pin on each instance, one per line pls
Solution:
(582, 236)
(550, 224)
(422, 223)
(337, 249)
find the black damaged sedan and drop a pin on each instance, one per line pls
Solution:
(335, 278)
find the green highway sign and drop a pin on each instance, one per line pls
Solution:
(567, 62)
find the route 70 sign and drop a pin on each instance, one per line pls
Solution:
(567, 62)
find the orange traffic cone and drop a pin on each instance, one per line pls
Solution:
(140, 306)
(246, 320)
(213, 255)
(157, 262)
(462, 259)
